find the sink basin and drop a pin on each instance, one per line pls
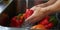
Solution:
(9, 28)
(3, 5)
(1, 1)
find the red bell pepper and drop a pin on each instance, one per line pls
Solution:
(50, 25)
(28, 13)
(45, 20)
(49, 21)
(16, 22)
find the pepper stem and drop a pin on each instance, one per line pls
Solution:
(52, 18)
(18, 16)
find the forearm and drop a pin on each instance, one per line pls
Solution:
(55, 7)
(47, 3)
(50, 2)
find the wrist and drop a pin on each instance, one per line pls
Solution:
(47, 11)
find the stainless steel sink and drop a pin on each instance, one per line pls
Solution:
(10, 28)
(1, 1)
(3, 5)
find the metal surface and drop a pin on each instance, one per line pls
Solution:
(3, 6)
(1, 1)
(8, 28)
(58, 18)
